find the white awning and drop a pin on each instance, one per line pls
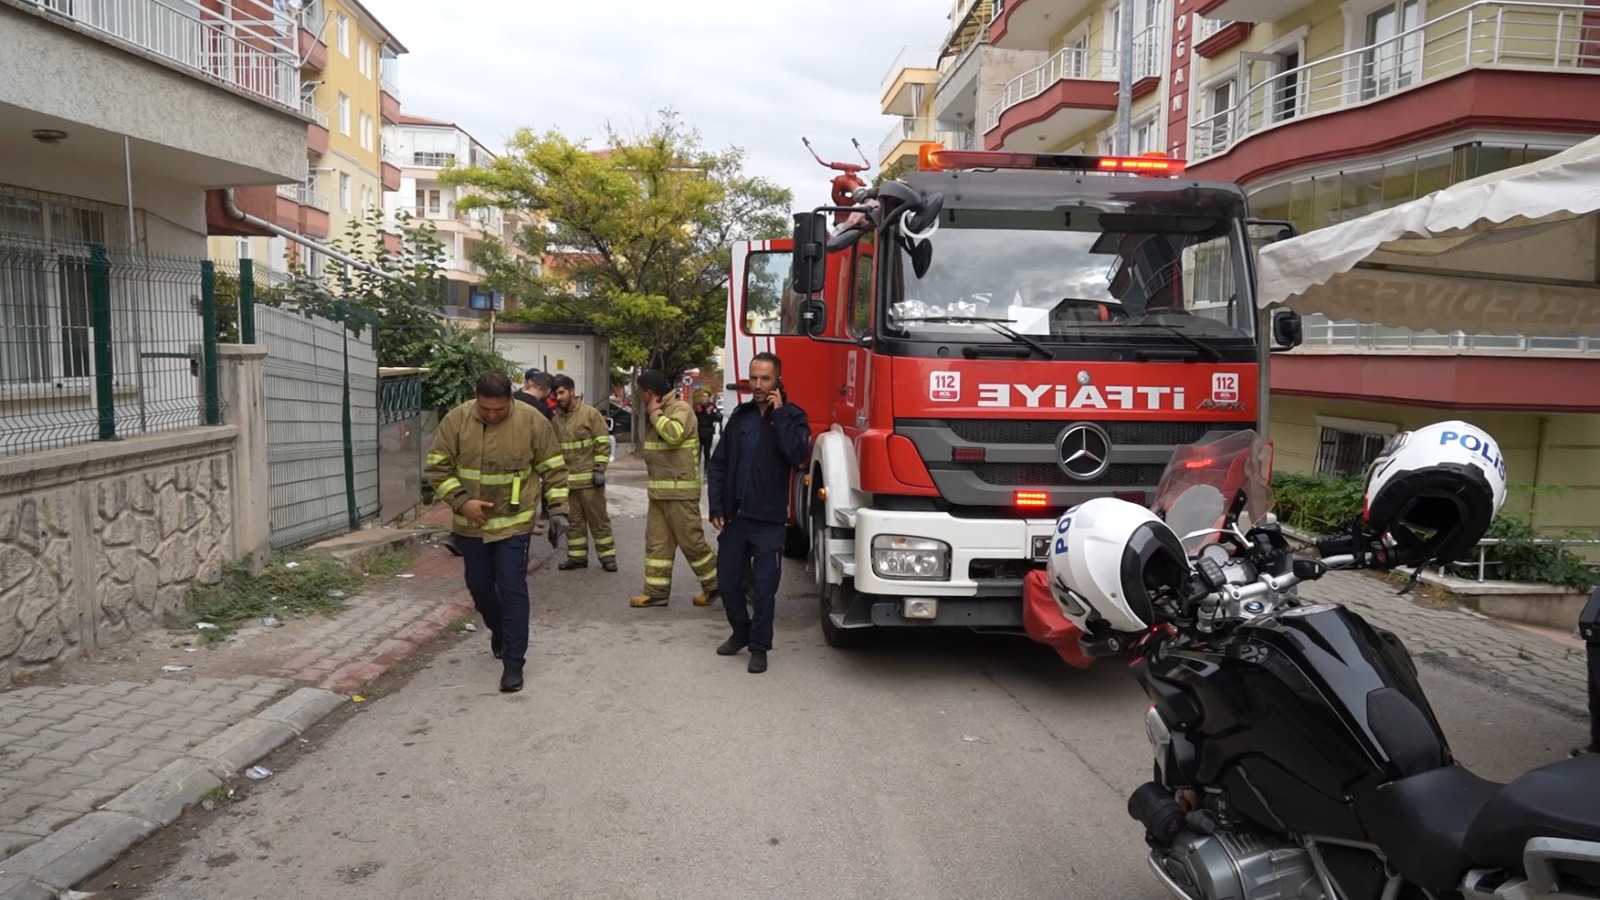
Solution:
(1514, 251)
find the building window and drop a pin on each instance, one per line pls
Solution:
(1346, 447)
(366, 199)
(344, 114)
(366, 132)
(344, 192)
(44, 292)
(341, 30)
(243, 249)
(1216, 111)
(428, 202)
(364, 57)
(1145, 136)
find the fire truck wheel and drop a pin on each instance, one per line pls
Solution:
(831, 598)
(795, 543)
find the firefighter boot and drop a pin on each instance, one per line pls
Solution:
(645, 601)
(706, 598)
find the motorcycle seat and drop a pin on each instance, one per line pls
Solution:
(1421, 822)
(1561, 800)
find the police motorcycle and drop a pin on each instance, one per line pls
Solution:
(1296, 755)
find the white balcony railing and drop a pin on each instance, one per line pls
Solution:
(1326, 334)
(289, 192)
(1079, 64)
(1205, 28)
(389, 73)
(910, 58)
(921, 130)
(431, 159)
(257, 57)
(1486, 34)
(317, 115)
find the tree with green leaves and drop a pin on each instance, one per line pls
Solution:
(405, 304)
(645, 224)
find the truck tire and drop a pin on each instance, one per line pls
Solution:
(831, 597)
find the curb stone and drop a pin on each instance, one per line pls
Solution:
(82, 848)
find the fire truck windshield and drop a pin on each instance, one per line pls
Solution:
(1074, 276)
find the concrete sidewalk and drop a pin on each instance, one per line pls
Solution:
(102, 753)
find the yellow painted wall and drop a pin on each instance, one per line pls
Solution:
(1565, 459)
(345, 153)
(1093, 21)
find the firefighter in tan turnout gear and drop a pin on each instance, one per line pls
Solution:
(586, 445)
(672, 460)
(489, 460)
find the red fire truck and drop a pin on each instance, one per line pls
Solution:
(983, 343)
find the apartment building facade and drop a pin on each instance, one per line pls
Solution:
(1324, 111)
(423, 148)
(348, 87)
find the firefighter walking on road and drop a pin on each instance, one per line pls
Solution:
(488, 461)
(672, 461)
(586, 446)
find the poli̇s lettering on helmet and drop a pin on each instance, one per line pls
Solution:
(1435, 491)
(1107, 562)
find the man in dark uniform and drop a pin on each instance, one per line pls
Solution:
(536, 389)
(706, 417)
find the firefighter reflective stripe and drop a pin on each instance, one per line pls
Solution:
(501, 523)
(699, 565)
(674, 485)
(580, 479)
(435, 459)
(550, 463)
(691, 444)
(450, 486)
(465, 474)
(671, 431)
(553, 494)
(602, 452)
(572, 445)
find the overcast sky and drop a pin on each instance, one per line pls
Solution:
(756, 74)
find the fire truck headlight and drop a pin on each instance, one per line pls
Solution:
(902, 556)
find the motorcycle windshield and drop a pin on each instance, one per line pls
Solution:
(1208, 486)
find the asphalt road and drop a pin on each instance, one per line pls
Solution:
(639, 764)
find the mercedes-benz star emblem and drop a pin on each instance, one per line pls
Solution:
(1085, 451)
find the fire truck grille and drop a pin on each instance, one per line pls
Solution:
(1050, 475)
(1143, 434)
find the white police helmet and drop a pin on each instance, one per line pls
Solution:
(1107, 562)
(1435, 491)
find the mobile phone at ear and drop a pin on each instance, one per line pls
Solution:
(781, 389)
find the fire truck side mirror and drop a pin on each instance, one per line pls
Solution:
(816, 317)
(1287, 332)
(810, 258)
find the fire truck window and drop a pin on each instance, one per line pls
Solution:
(770, 305)
(861, 297)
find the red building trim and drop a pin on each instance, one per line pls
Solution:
(1068, 93)
(1485, 383)
(1225, 39)
(1546, 101)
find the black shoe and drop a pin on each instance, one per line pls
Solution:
(569, 564)
(450, 544)
(511, 681)
(732, 645)
(610, 565)
(758, 662)
(497, 645)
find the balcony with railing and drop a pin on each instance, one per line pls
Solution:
(1407, 85)
(913, 71)
(1072, 91)
(1032, 24)
(256, 57)
(1325, 335)
(317, 134)
(904, 136)
(430, 159)
(389, 168)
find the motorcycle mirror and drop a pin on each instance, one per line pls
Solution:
(1307, 569)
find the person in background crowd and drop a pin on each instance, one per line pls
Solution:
(483, 463)
(707, 416)
(671, 459)
(764, 441)
(536, 389)
(587, 449)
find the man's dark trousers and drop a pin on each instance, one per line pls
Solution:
(497, 578)
(746, 545)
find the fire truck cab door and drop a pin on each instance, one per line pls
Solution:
(764, 315)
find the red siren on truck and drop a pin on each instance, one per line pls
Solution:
(934, 157)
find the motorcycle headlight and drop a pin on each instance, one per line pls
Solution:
(903, 556)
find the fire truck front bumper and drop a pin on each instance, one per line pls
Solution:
(923, 568)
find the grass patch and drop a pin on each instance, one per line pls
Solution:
(291, 586)
(387, 564)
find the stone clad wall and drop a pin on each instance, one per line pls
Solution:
(101, 540)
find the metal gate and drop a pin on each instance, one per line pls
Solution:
(321, 387)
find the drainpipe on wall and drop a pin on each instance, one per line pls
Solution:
(239, 215)
(1538, 471)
